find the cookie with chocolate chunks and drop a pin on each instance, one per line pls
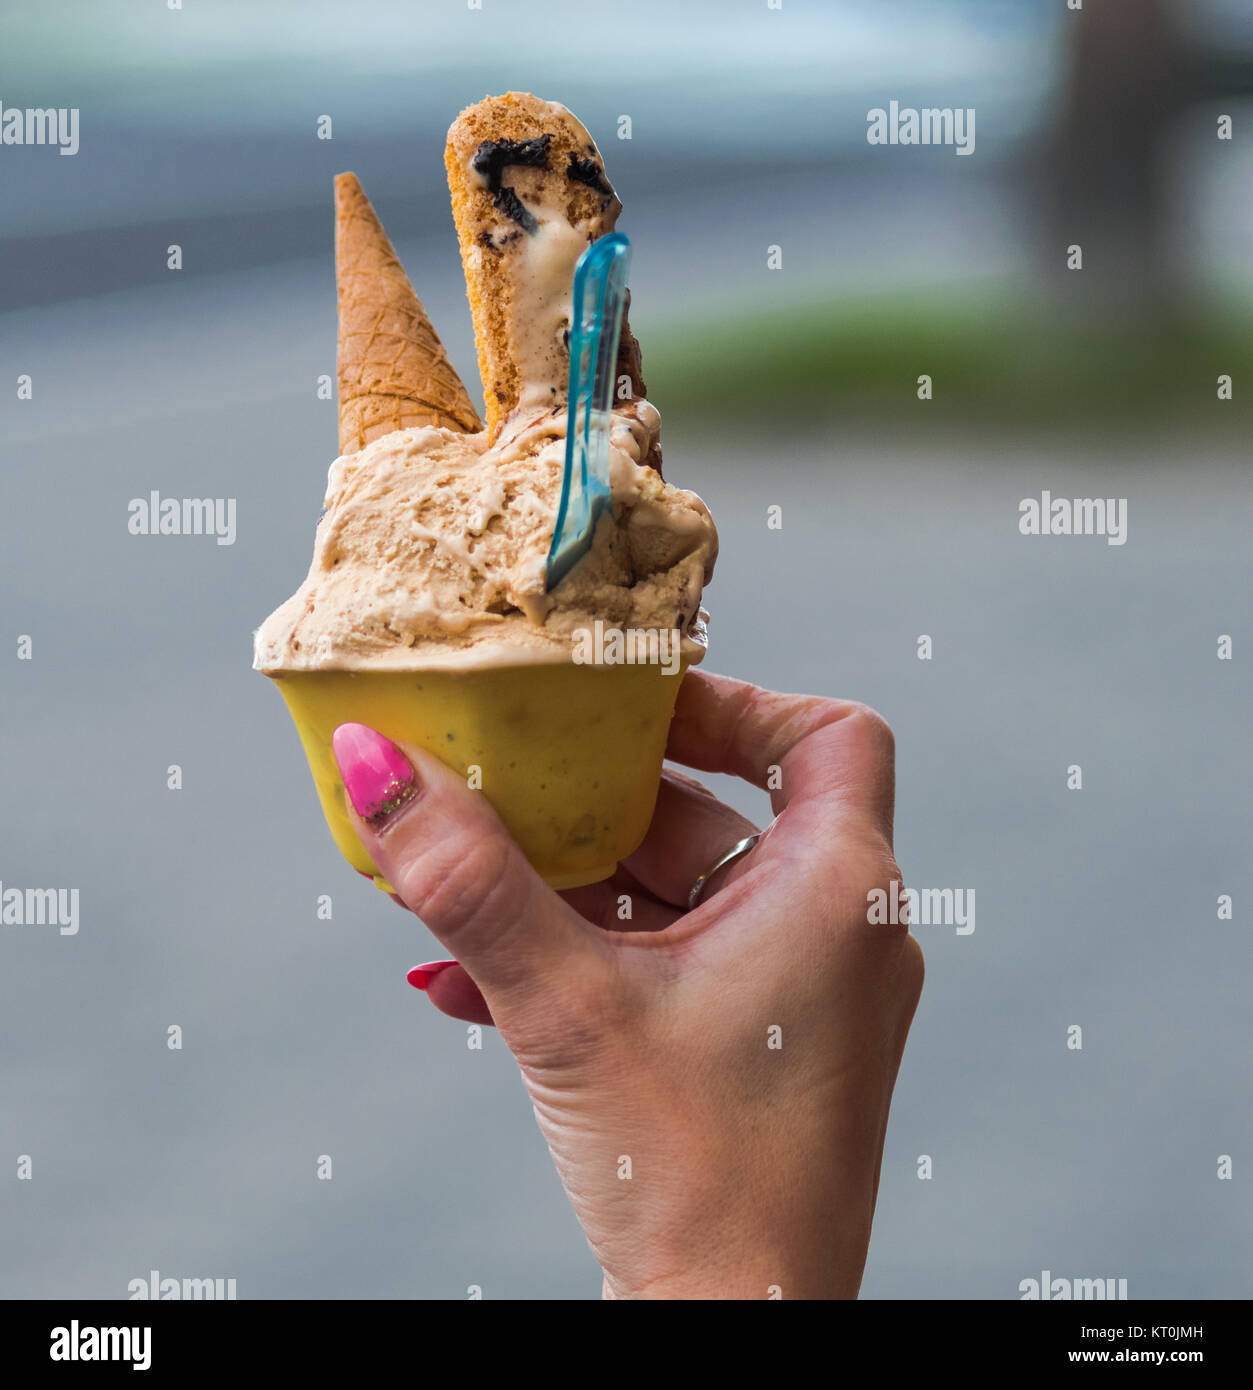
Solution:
(529, 195)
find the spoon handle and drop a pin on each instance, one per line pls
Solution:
(600, 281)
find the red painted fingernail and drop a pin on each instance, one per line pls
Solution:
(376, 773)
(422, 975)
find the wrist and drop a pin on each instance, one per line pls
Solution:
(748, 1283)
(823, 1260)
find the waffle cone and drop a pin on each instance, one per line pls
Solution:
(393, 370)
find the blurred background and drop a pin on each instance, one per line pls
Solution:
(793, 387)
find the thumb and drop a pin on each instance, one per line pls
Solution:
(452, 862)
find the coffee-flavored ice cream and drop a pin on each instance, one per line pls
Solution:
(432, 552)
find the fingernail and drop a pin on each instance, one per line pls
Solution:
(422, 975)
(377, 775)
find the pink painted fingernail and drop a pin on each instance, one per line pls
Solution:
(422, 975)
(376, 773)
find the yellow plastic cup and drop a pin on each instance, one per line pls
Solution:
(569, 755)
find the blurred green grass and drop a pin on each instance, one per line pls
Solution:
(989, 361)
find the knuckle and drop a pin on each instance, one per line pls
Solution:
(913, 970)
(883, 890)
(877, 862)
(891, 929)
(875, 731)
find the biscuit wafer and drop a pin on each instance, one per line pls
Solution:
(529, 195)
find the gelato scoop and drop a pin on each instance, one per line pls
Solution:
(432, 552)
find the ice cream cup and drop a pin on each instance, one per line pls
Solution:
(569, 755)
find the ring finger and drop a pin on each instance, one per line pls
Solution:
(691, 829)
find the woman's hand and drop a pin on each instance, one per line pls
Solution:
(713, 1084)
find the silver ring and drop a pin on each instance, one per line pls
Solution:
(737, 851)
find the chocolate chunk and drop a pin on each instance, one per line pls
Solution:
(511, 205)
(589, 172)
(493, 157)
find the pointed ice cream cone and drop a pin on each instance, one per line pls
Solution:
(393, 371)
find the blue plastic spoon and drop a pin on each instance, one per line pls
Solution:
(600, 282)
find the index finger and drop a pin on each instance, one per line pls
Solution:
(799, 748)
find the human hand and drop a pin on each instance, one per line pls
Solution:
(713, 1084)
